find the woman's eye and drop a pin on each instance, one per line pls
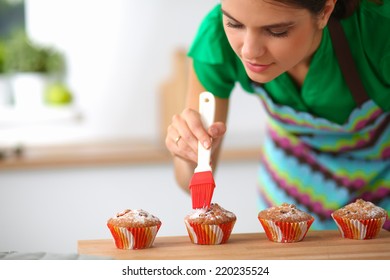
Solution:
(233, 25)
(278, 33)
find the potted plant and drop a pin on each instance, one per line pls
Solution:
(2, 55)
(31, 67)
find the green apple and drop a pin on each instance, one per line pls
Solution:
(58, 94)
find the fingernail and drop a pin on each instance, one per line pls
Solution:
(206, 144)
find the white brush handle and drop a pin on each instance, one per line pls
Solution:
(207, 111)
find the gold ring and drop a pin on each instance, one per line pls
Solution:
(177, 139)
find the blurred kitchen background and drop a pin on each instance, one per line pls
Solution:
(91, 142)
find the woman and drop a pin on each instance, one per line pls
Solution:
(328, 132)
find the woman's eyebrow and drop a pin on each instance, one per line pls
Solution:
(228, 15)
(280, 24)
(270, 26)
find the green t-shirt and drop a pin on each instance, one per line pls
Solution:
(219, 68)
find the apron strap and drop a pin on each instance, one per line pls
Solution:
(346, 62)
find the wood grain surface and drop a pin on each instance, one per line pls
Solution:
(317, 245)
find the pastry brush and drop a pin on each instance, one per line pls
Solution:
(202, 182)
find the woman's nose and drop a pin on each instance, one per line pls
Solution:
(253, 46)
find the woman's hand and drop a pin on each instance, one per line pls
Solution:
(186, 130)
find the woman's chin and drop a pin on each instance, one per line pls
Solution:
(262, 78)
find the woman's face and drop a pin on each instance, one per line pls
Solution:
(269, 37)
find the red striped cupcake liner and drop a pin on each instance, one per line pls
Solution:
(203, 234)
(285, 232)
(359, 229)
(134, 238)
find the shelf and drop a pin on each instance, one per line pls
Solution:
(26, 116)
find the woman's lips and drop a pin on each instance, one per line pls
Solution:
(257, 68)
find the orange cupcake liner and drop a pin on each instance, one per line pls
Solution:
(134, 238)
(285, 232)
(359, 229)
(209, 234)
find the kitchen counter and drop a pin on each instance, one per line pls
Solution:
(126, 151)
(320, 245)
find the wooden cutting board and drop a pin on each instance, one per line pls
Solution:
(317, 245)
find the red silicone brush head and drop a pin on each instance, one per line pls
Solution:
(202, 188)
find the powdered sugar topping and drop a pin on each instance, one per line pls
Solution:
(213, 213)
(284, 212)
(137, 216)
(361, 209)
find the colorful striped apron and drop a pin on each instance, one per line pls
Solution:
(319, 165)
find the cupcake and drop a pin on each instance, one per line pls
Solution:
(360, 220)
(134, 229)
(285, 223)
(210, 226)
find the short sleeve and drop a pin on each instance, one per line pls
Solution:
(214, 61)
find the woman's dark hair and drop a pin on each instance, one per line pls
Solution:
(343, 8)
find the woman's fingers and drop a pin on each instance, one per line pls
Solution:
(186, 130)
(217, 130)
(196, 127)
(180, 141)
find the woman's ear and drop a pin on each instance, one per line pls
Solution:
(326, 13)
